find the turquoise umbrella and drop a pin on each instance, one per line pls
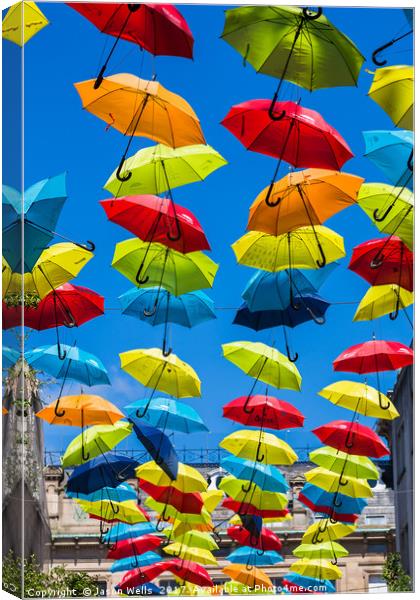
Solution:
(392, 152)
(166, 413)
(266, 477)
(252, 557)
(121, 493)
(124, 531)
(135, 561)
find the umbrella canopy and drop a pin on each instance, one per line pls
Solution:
(392, 152)
(155, 219)
(361, 398)
(271, 291)
(373, 356)
(107, 470)
(254, 557)
(248, 509)
(295, 583)
(183, 502)
(393, 89)
(261, 499)
(188, 310)
(322, 550)
(22, 21)
(190, 571)
(325, 530)
(34, 216)
(125, 548)
(193, 539)
(342, 463)
(167, 413)
(302, 198)
(256, 445)
(390, 209)
(381, 300)
(158, 445)
(169, 374)
(88, 409)
(264, 363)
(267, 540)
(261, 410)
(140, 576)
(124, 531)
(94, 441)
(106, 510)
(122, 492)
(250, 577)
(303, 248)
(352, 438)
(332, 482)
(77, 364)
(266, 477)
(291, 43)
(188, 479)
(168, 513)
(184, 552)
(134, 561)
(317, 568)
(300, 137)
(155, 264)
(383, 262)
(334, 505)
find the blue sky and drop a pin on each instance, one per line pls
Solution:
(60, 136)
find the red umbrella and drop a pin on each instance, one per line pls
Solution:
(154, 219)
(352, 437)
(330, 511)
(192, 572)
(137, 577)
(263, 411)
(266, 541)
(384, 261)
(184, 502)
(131, 547)
(69, 305)
(374, 356)
(158, 28)
(244, 508)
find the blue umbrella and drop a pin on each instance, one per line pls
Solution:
(310, 583)
(266, 477)
(272, 291)
(167, 413)
(78, 365)
(392, 152)
(338, 502)
(42, 205)
(158, 446)
(124, 531)
(10, 357)
(122, 492)
(107, 470)
(253, 524)
(253, 557)
(135, 561)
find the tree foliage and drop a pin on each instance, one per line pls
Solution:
(396, 578)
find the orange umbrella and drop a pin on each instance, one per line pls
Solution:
(302, 198)
(85, 409)
(249, 577)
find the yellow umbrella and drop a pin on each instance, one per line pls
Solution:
(324, 550)
(244, 492)
(128, 511)
(166, 510)
(324, 530)
(57, 265)
(180, 528)
(381, 300)
(303, 248)
(249, 577)
(332, 482)
(188, 478)
(339, 462)
(192, 539)
(361, 398)
(211, 499)
(393, 89)
(22, 21)
(95, 441)
(259, 445)
(316, 568)
(185, 552)
(168, 374)
(264, 363)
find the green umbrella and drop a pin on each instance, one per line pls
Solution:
(293, 44)
(159, 168)
(95, 441)
(344, 464)
(323, 550)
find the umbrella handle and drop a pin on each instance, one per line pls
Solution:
(321, 263)
(273, 115)
(394, 314)
(315, 538)
(143, 414)
(260, 552)
(166, 351)
(259, 458)
(100, 78)
(333, 521)
(312, 16)
(383, 406)
(61, 354)
(337, 504)
(102, 529)
(217, 536)
(150, 313)
(158, 528)
(85, 457)
(377, 261)
(119, 174)
(380, 63)
(245, 406)
(178, 234)
(61, 413)
(342, 481)
(334, 561)
(376, 212)
(349, 443)
(248, 488)
(315, 319)
(267, 198)
(294, 358)
(248, 567)
(139, 279)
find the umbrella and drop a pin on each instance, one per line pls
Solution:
(264, 363)
(9, 357)
(141, 576)
(168, 374)
(74, 363)
(381, 300)
(94, 441)
(33, 217)
(393, 89)
(246, 508)
(110, 512)
(167, 513)
(155, 219)
(84, 409)
(263, 410)
(193, 539)
(190, 571)
(124, 531)
(317, 568)
(343, 463)
(140, 545)
(159, 29)
(322, 550)
(134, 561)
(360, 398)
(274, 291)
(184, 552)
(295, 584)
(188, 479)
(333, 504)
(332, 482)
(260, 446)
(392, 152)
(188, 310)
(107, 470)
(22, 21)
(302, 198)
(408, 13)
(159, 446)
(253, 558)
(325, 530)
(160, 168)
(167, 413)
(122, 492)
(266, 477)
(250, 577)
(352, 438)
(137, 107)
(184, 502)
(374, 356)
(390, 209)
(267, 540)
(252, 494)
(303, 248)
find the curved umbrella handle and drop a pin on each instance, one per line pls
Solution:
(341, 481)
(247, 488)
(334, 561)
(315, 538)
(377, 261)
(166, 351)
(333, 521)
(312, 16)
(119, 174)
(294, 358)
(141, 280)
(62, 412)
(115, 508)
(337, 504)
(267, 198)
(321, 263)
(380, 63)
(394, 314)
(158, 528)
(292, 300)
(248, 566)
(383, 406)
(315, 319)
(85, 457)
(259, 458)
(150, 313)
(260, 552)
(102, 529)
(378, 218)
(349, 443)
(143, 414)
(245, 408)
(178, 234)
(217, 536)
(271, 110)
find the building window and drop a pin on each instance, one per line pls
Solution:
(375, 519)
(377, 584)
